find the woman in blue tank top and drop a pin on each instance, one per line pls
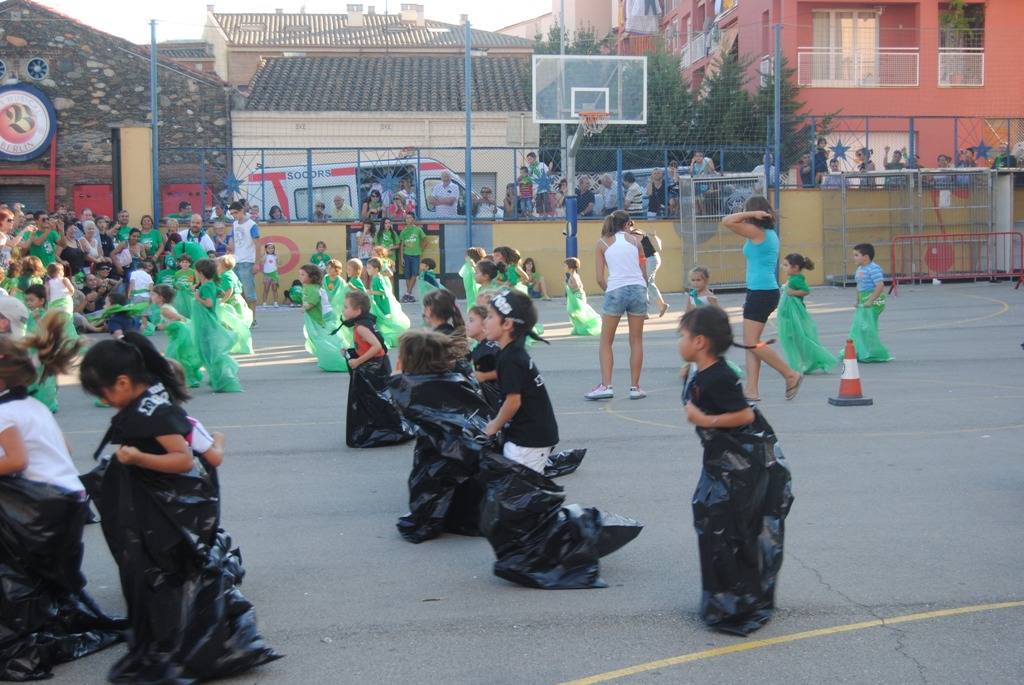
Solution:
(757, 225)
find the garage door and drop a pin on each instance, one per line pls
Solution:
(33, 197)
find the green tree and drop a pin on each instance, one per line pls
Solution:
(793, 130)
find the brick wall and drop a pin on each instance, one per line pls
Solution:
(97, 82)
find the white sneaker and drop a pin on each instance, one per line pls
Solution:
(600, 392)
(636, 393)
(275, 305)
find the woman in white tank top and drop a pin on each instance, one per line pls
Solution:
(625, 287)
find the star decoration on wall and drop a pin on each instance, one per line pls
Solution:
(839, 150)
(232, 185)
(981, 150)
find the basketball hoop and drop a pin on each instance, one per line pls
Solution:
(593, 123)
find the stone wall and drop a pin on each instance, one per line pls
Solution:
(98, 82)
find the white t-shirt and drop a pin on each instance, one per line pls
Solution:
(245, 235)
(204, 240)
(269, 263)
(443, 191)
(141, 283)
(48, 457)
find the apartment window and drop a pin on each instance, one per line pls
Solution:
(845, 43)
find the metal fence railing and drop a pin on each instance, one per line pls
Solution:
(337, 184)
(880, 207)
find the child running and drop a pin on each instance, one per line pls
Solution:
(48, 616)
(214, 340)
(60, 293)
(372, 418)
(271, 279)
(232, 310)
(181, 339)
(319, 321)
(526, 414)
(184, 281)
(484, 274)
(334, 284)
(585, 321)
(732, 515)
(870, 305)
(391, 320)
(187, 619)
(484, 356)
(468, 272)
(798, 333)
(354, 272)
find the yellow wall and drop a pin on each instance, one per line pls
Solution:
(136, 172)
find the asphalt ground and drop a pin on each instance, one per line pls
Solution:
(903, 551)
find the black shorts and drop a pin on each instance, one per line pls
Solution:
(760, 304)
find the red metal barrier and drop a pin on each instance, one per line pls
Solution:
(957, 255)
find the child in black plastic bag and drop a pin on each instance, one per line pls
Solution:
(46, 616)
(372, 418)
(743, 495)
(160, 515)
(447, 411)
(526, 414)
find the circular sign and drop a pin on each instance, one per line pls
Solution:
(28, 122)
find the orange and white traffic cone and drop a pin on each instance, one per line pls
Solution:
(850, 394)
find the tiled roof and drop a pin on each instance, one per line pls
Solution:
(185, 49)
(387, 84)
(298, 31)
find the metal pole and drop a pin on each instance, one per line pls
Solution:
(154, 136)
(563, 150)
(778, 114)
(469, 138)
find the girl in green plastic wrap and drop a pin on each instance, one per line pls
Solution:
(510, 274)
(391, 320)
(60, 294)
(319, 321)
(798, 333)
(585, 321)
(334, 284)
(181, 338)
(184, 282)
(213, 340)
(232, 311)
(870, 305)
(468, 272)
(485, 273)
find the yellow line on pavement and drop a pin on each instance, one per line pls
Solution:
(782, 639)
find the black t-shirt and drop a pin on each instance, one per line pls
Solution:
(107, 243)
(585, 199)
(485, 356)
(656, 201)
(151, 415)
(75, 259)
(716, 390)
(534, 424)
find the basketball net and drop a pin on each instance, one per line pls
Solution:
(593, 123)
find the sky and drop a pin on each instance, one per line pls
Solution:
(185, 20)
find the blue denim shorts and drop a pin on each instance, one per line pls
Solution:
(244, 272)
(629, 299)
(410, 265)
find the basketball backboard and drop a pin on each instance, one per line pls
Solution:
(565, 85)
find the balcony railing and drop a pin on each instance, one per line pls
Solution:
(961, 67)
(845, 68)
(703, 44)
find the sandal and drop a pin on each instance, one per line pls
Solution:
(752, 399)
(664, 308)
(792, 390)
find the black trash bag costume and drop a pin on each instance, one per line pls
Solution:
(373, 418)
(539, 542)
(739, 512)
(188, 621)
(46, 616)
(565, 462)
(447, 411)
